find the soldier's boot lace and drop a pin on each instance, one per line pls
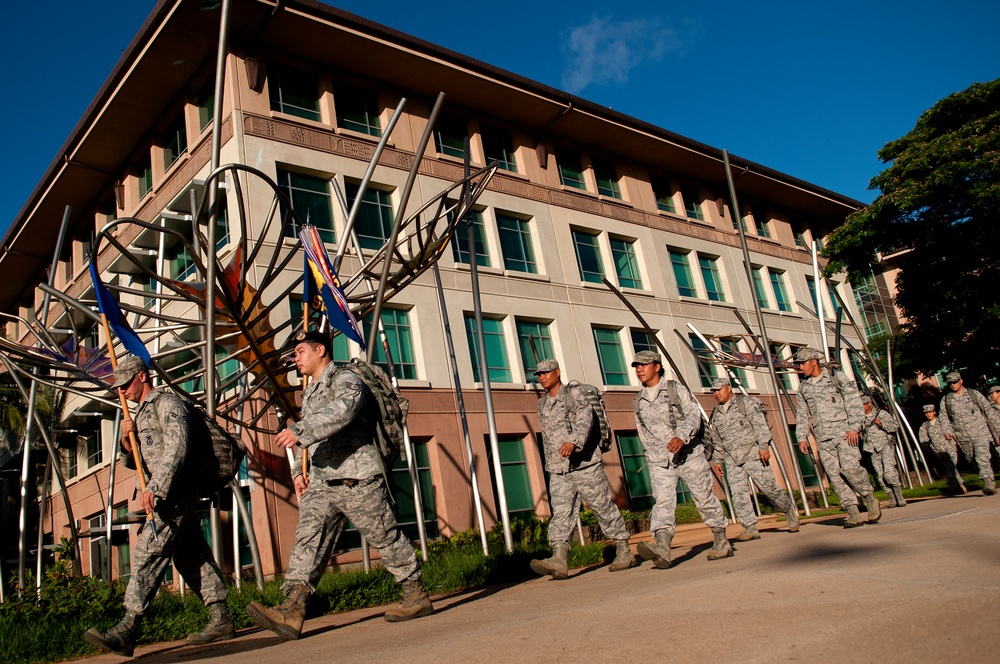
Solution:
(874, 509)
(415, 604)
(853, 517)
(557, 566)
(722, 548)
(285, 620)
(120, 639)
(659, 552)
(989, 486)
(793, 519)
(749, 533)
(624, 558)
(220, 626)
(898, 492)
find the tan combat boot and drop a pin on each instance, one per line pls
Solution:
(853, 517)
(557, 566)
(874, 509)
(658, 553)
(897, 491)
(624, 559)
(722, 548)
(415, 604)
(793, 519)
(749, 533)
(285, 620)
(120, 639)
(220, 626)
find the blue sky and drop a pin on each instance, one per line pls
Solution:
(810, 89)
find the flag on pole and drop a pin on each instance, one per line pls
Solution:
(334, 301)
(109, 308)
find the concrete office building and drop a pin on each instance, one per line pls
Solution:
(583, 192)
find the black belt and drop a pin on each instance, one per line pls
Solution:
(346, 481)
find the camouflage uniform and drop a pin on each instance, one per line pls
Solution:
(933, 432)
(832, 413)
(878, 442)
(736, 435)
(345, 482)
(975, 423)
(658, 422)
(162, 428)
(563, 419)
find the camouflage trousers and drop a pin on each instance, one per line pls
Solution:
(949, 467)
(763, 478)
(323, 511)
(590, 484)
(697, 474)
(886, 466)
(978, 451)
(178, 538)
(842, 463)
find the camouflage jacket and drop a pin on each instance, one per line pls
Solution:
(337, 428)
(877, 437)
(832, 412)
(737, 429)
(971, 415)
(933, 432)
(568, 420)
(658, 423)
(162, 427)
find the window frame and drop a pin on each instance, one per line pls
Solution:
(596, 247)
(282, 79)
(568, 177)
(504, 374)
(628, 252)
(681, 260)
(384, 210)
(284, 177)
(363, 103)
(498, 139)
(607, 178)
(520, 239)
(620, 377)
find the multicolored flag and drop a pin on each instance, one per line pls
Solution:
(109, 308)
(318, 264)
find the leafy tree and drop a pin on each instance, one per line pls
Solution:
(940, 199)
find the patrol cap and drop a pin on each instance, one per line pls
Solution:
(952, 377)
(311, 336)
(993, 388)
(646, 357)
(865, 399)
(719, 383)
(127, 370)
(929, 408)
(806, 354)
(546, 366)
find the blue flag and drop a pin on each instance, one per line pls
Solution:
(108, 306)
(338, 312)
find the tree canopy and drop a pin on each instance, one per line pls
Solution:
(939, 207)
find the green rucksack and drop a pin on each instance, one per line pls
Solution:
(593, 397)
(390, 408)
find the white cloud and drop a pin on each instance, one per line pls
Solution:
(605, 50)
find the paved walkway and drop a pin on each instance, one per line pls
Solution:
(922, 585)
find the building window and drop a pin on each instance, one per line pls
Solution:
(731, 347)
(174, 142)
(664, 194)
(745, 222)
(637, 481)
(95, 453)
(498, 147)
(570, 169)
(642, 340)
(760, 219)
(294, 91)
(692, 203)
(682, 273)
(778, 286)
(784, 378)
(496, 349)
(713, 282)
(626, 265)
(799, 233)
(614, 369)
(205, 99)
(145, 177)
(607, 178)
(514, 468)
(402, 490)
(310, 200)
(460, 244)
(811, 285)
(515, 244)
(707, 369)
(357, 109)
(588, 257)
(375, 219)
(124, 550)
(831, 290)
(535, 342)
(98, 547)
(396, 323)
(450, 135)
(72, 463)
(758, 286)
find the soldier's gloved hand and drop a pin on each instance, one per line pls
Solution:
(852, 438)
(675, 445)
(286, 438)
(718, 469)
(567, 449)
(301, 484)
